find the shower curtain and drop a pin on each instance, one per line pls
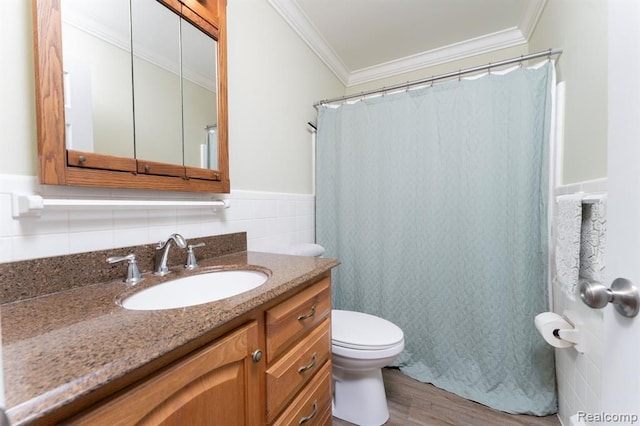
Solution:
(435, 202)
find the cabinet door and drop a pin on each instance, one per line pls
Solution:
(217, 385)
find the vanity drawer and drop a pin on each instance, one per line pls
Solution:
(313, 403)
(294, 369)
(289, 321)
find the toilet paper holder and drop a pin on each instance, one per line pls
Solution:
(574, 335)
(571, 336)
(561, 331)
(623, 294)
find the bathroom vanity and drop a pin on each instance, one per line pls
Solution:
(71, 352)
(76, 356)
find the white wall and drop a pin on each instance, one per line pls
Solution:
(17, 102)
(274, 80)
(580, 28)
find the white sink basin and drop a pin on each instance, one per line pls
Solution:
(195, 290)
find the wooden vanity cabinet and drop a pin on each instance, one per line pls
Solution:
(218, 384)
(274, 369)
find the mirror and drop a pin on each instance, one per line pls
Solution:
(142, 93)
(98, 89)
(157, 88)
(199, 97)
(104, 43)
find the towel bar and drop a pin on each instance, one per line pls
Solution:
(592, 198)
(32, 205)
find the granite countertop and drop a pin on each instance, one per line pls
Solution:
(62, 346)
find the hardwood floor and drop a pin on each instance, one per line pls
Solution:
(413, 403)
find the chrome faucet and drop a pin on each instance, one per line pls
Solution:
(162, 253)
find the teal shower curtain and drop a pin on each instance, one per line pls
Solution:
(435, 201)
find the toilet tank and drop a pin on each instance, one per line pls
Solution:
(306, 249)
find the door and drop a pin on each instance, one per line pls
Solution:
(621, 355)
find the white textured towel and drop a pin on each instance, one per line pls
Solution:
(580, 242)
(593, 240)
(567, 250)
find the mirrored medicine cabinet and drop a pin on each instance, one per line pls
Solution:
(132, 94)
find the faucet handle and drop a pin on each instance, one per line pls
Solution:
(192, 262)
(133, 272)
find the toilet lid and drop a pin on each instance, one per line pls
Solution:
(357, 330)
(310, 250)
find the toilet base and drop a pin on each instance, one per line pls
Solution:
(359, 398)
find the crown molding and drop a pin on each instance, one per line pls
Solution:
(510, 37)
(531, 17)
(297, 19)
(453, 52)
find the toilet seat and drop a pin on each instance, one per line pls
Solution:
(360, 331)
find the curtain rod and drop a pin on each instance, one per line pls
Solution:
(442, 76)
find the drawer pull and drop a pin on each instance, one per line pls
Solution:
(311, 313)
(256, 356)
(305, 419)
(310, 365)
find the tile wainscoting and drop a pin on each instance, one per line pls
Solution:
(271, 220)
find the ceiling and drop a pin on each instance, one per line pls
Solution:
(364, 40)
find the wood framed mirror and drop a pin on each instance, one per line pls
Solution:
(98, 129)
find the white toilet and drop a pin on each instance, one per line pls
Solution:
(361, 344)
